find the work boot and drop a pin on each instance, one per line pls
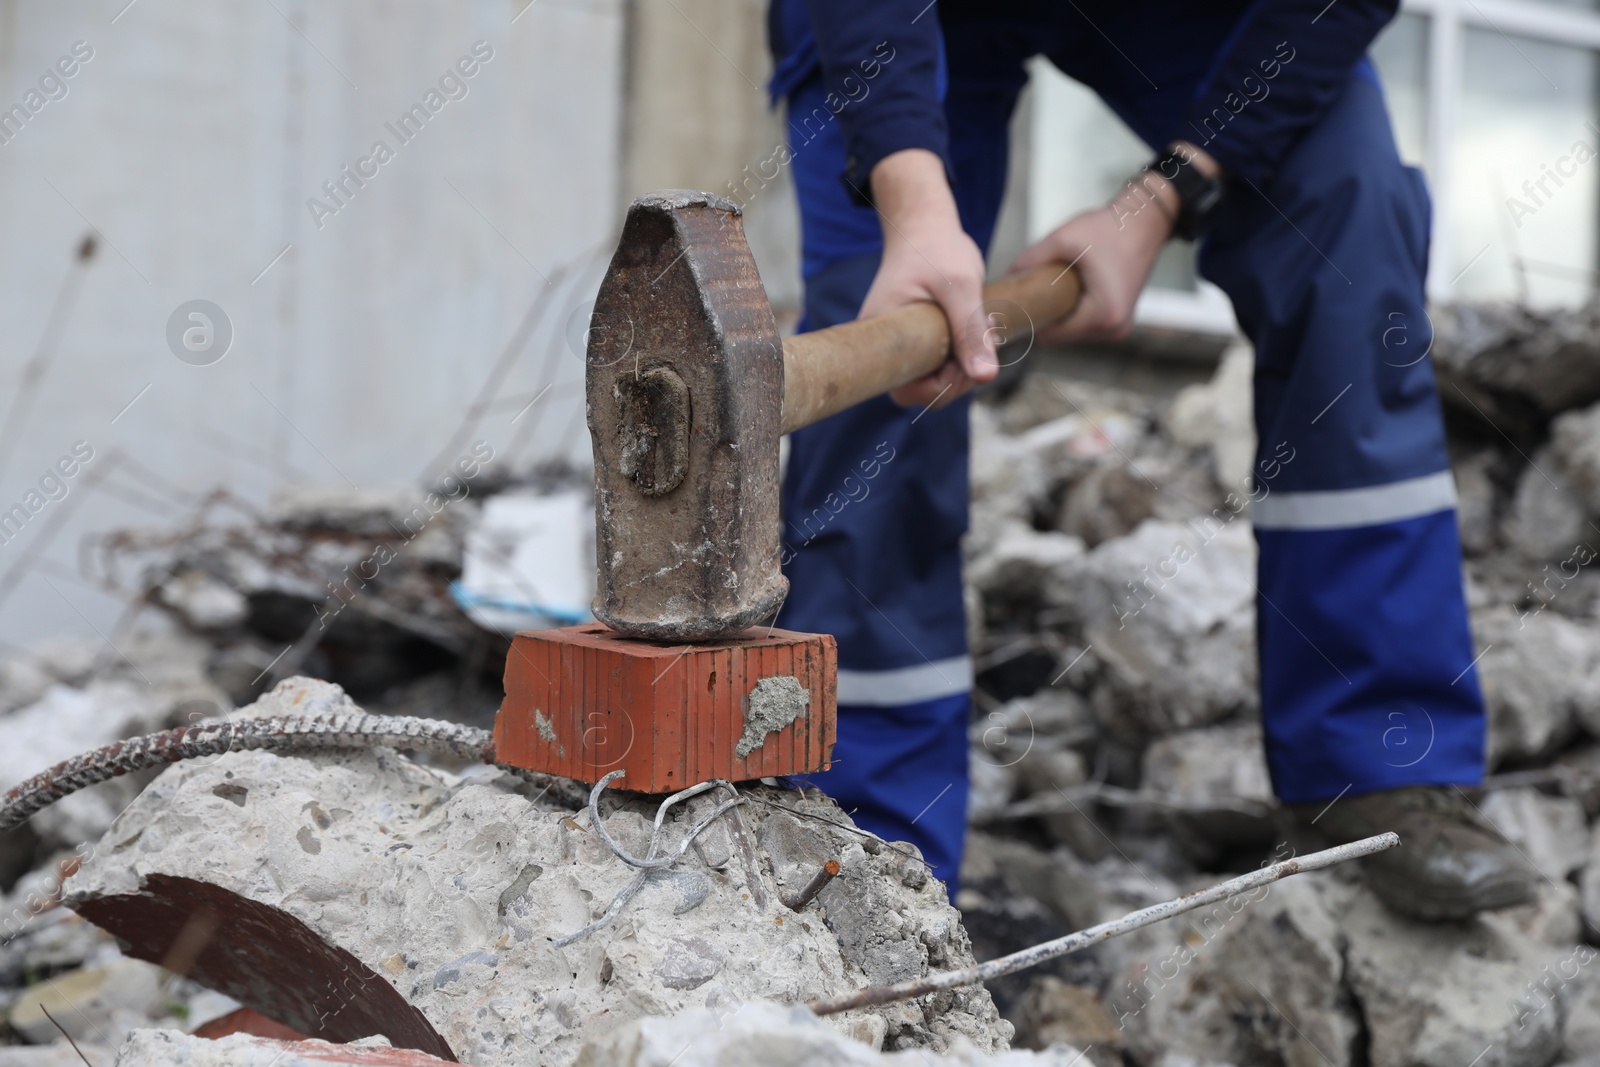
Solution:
(1451, 862)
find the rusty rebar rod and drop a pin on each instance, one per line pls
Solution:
(808, 892)
(1061, 946)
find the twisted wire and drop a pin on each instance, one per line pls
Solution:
(651, 863)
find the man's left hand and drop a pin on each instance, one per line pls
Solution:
(1114, 247)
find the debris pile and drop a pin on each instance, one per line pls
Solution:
(404, 597)
(368, 906)
(1116, 747)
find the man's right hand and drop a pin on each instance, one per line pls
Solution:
(928, 256)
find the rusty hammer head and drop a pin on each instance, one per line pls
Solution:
(685, 399)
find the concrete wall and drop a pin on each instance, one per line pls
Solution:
(698, 118)
(367, 327)
(190, 143)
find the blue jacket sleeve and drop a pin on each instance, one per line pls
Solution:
(1284, 65)
(881, 65)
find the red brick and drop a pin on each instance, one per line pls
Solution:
(668, 715)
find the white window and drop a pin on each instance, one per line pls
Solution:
(1497, 100)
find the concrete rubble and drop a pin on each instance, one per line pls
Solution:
(387, 907)
(1165, 788)
(385, 897)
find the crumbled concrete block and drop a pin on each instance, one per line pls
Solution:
(60, 1054)
(1546, 516)
(1540, 673)
(765, 1033)
(1478, 500)
(1554, 917)
(1255, 979)
(1550, 831)
(1210, 764)
(990, 786)
(1054, 1012)
(1515, 366)
(63, 723)
(1114, 498)
(202, 601)
(83, 1002)
(1217, 415)
(1169, 610)
(1589, 885)
(1439, 995)
(1025, 567)
(1575, 442)
(382, 898)
(1582, 1034)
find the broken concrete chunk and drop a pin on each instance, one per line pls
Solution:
(1540, 672)
(873, 933)
(1023, 568)
(1213, 783)
(1550, 831)
(1546, 516)
(1582, 1036)
(60, 1054)
(358, 893)
(796, 848)
(1478, 500)
(68, 720)
(1589, 885)
(83, 1002)
(690, 962)
(1514, 366)
(1113, 499)
(1554, 917)
(767, 1033)
(1255, 979)
(1217, 416)
(1054, 1012)
(202, 601)
(1439, 995)
(990, 786)
(1170, 611)
(1575, 442)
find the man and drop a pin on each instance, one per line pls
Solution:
(1274, 148)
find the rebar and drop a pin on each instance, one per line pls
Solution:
(285, 733)
(1074, 942)
(808, 892)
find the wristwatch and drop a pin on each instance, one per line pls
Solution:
(1199, 196)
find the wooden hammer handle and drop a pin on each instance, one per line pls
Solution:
(829, 370)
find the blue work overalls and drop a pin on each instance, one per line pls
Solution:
(1366, 659)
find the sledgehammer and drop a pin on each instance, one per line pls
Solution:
(689, 389)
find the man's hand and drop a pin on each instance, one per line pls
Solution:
(1114, 247)
(927, 256)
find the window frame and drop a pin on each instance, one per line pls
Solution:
(1447, 22)
(1207, 310)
